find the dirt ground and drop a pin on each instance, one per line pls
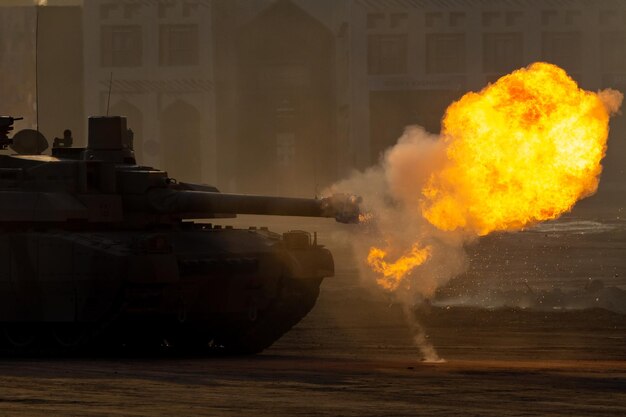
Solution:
(354, 356)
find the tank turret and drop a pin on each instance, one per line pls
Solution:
(109, 140)
(103, 251)
(105, 174)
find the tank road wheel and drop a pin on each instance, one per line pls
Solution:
(69, 336)
(189, 339)
(295, 301)
(21, 338)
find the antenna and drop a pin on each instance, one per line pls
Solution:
(109, 98)
(37, 66)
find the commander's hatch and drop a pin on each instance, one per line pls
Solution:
(29, 142)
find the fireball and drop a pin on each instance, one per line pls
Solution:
(522, 150)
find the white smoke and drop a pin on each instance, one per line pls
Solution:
(428, 351)
(391, 192)
(612, 100)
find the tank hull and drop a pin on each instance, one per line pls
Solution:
(98, 251)
(189, 288)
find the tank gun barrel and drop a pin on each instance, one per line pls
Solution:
(195, 204)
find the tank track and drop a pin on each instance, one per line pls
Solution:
(297, 298)
(56, 339)
(115, 336)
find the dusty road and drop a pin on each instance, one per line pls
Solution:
(353, 355)
(305, 385)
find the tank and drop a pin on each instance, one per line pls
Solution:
(99, 252)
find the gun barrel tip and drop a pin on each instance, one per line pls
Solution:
(345, 208)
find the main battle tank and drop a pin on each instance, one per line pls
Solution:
(98, 251)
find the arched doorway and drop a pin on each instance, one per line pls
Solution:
(134, 121)
(286, 103)
(180, 128)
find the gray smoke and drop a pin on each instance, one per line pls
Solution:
(391, 193)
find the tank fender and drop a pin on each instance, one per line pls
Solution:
(153, 269)
(316, 262)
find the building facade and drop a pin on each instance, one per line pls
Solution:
(41, 67)
(151, 61)
(422, 54)
(287, 96)
(17, 64)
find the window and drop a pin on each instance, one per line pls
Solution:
(549, 17)
(609, 17)
(285, 148)
(613, 51)
(285, 119)
(562, 49)
(190, 8)
(433, 19)
(457, 19)
(445, 53)
(386, 54)
(131, 10)
(178, 45)
(398, 20)
(121, 46)
(375, 20)
(490, 18)
(106, 10)
(502, 52)
(164, 8)
(572, 17)
(513, 18)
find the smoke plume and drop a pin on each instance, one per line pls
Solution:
(394, 219)
(523, 150)
(611, 99)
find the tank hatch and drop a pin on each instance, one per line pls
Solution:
(109, 140)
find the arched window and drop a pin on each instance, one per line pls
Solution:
(286, 140)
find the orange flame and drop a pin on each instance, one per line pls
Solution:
(522, 150)
(365, 217)
(393, 273)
